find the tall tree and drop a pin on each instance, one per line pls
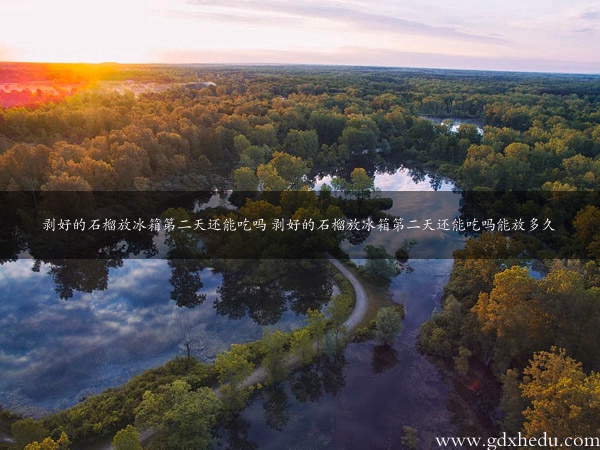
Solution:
(388, 323)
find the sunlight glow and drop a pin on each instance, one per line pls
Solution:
(464, 34)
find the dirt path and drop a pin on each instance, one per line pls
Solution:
(358, 313)
(362, 301)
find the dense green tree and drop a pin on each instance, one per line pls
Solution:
(512, 402)
(183, 418)
(253, 156)
(340, 309)
(301, 345)
(328, 125)
(292, 169)
(127, 439)
(361, 184)
(273, 347)
(316, 324)
(233, 367)
(28, 430)
(380, 264)
(303, 144)
(388, 324)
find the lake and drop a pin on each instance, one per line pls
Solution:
(366, 398)
(56, 351)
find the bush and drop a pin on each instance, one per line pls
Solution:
(388, 323)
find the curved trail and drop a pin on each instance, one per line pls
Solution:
(259, 375)
(361, 304)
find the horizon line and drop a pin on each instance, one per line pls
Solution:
(284, 64)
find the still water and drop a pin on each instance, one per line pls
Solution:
(364, 400)
(55, 352)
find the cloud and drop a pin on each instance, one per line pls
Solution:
(590, 15)
(309, 11)
(17, 270)
(231, 17)
(564, 22)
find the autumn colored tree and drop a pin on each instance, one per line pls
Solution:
(510, 318)
(63, 443)
(565, 401)
(587, 224)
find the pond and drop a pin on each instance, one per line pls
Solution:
(454, 123)
(426, 215)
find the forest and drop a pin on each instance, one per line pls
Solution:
(520, 313)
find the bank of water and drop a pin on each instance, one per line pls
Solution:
(365, 399)
(55, 352)
(376, 393)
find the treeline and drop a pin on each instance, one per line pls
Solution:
(539, 132)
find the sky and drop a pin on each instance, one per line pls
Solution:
(523, 35)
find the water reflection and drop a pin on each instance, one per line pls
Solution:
(363, 399)
(187, 283)
(396, 178)
(56, 352)
(265, 289)
(385, 358)
(277, 407)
